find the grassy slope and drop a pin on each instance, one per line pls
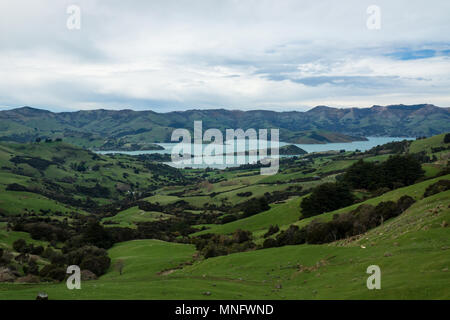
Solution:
(426, 144)
(289, 212)
(130, 216)
(411, 250)
(112, 173)
(281, 214)
(8, 238)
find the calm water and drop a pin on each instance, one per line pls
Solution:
(219, 161)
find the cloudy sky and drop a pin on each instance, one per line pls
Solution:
(168, 55)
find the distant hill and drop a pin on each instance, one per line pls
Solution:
(322, 124)
(291, 150)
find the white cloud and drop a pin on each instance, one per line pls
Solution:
(167, 55)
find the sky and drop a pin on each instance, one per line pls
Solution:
(234, 54)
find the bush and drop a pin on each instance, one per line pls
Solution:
(272, 230)
(212, 245)
(16, 187)
(440, 186)
(96, 235)
(98, 265)
(320, 232)
(270, 243)
(91, 258)
(244, 194)
(254, 206)
(240, 236)
(293, 235)
(37, 250)
(31, 268)
(20, 245)
(54, 272)
(228, 218)
(447, 138)
(344, 225)
(405, 202)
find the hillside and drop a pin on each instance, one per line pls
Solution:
(34, 173)
(335, 271)
(213, 234)
(100, 128)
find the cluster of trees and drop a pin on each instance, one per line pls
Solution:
(437, 187)
(345, 225)
(254, 206)
(89, 258)
(395, 172)
(213, 245)
(326, 197)
(84, 244)
(447, 138)
(42, 229)
(97, 191)
(79, 166)
(21, 246)
(244, 194)
(272, 230)
(390, 147)
(35, 162)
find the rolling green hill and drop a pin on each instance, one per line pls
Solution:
(102, 128)
(174, 205)
(33, 173)
(410, 250)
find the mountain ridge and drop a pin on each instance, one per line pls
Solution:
(321, 124)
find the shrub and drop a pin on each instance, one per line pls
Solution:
(447, 138)
(16, 187)
(54, 272)
(254, 206)
(96, 235)
(272, 230)
(244, 194)
(91, 258)
(228, 218)
(344, 225)
(98, 265)
(270, 243)
(240, 236)
(20, 245)
(212, 245)
(293, 235)
(437, 187)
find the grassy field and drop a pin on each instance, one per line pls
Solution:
(411, 251)
(18, 202)
(289, 212)
(129, 217)
(427, 144)
(282, 214)
(8, 238)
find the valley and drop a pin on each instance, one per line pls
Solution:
(224, 233)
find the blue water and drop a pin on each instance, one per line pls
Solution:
(348, 146)
(351, 146)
